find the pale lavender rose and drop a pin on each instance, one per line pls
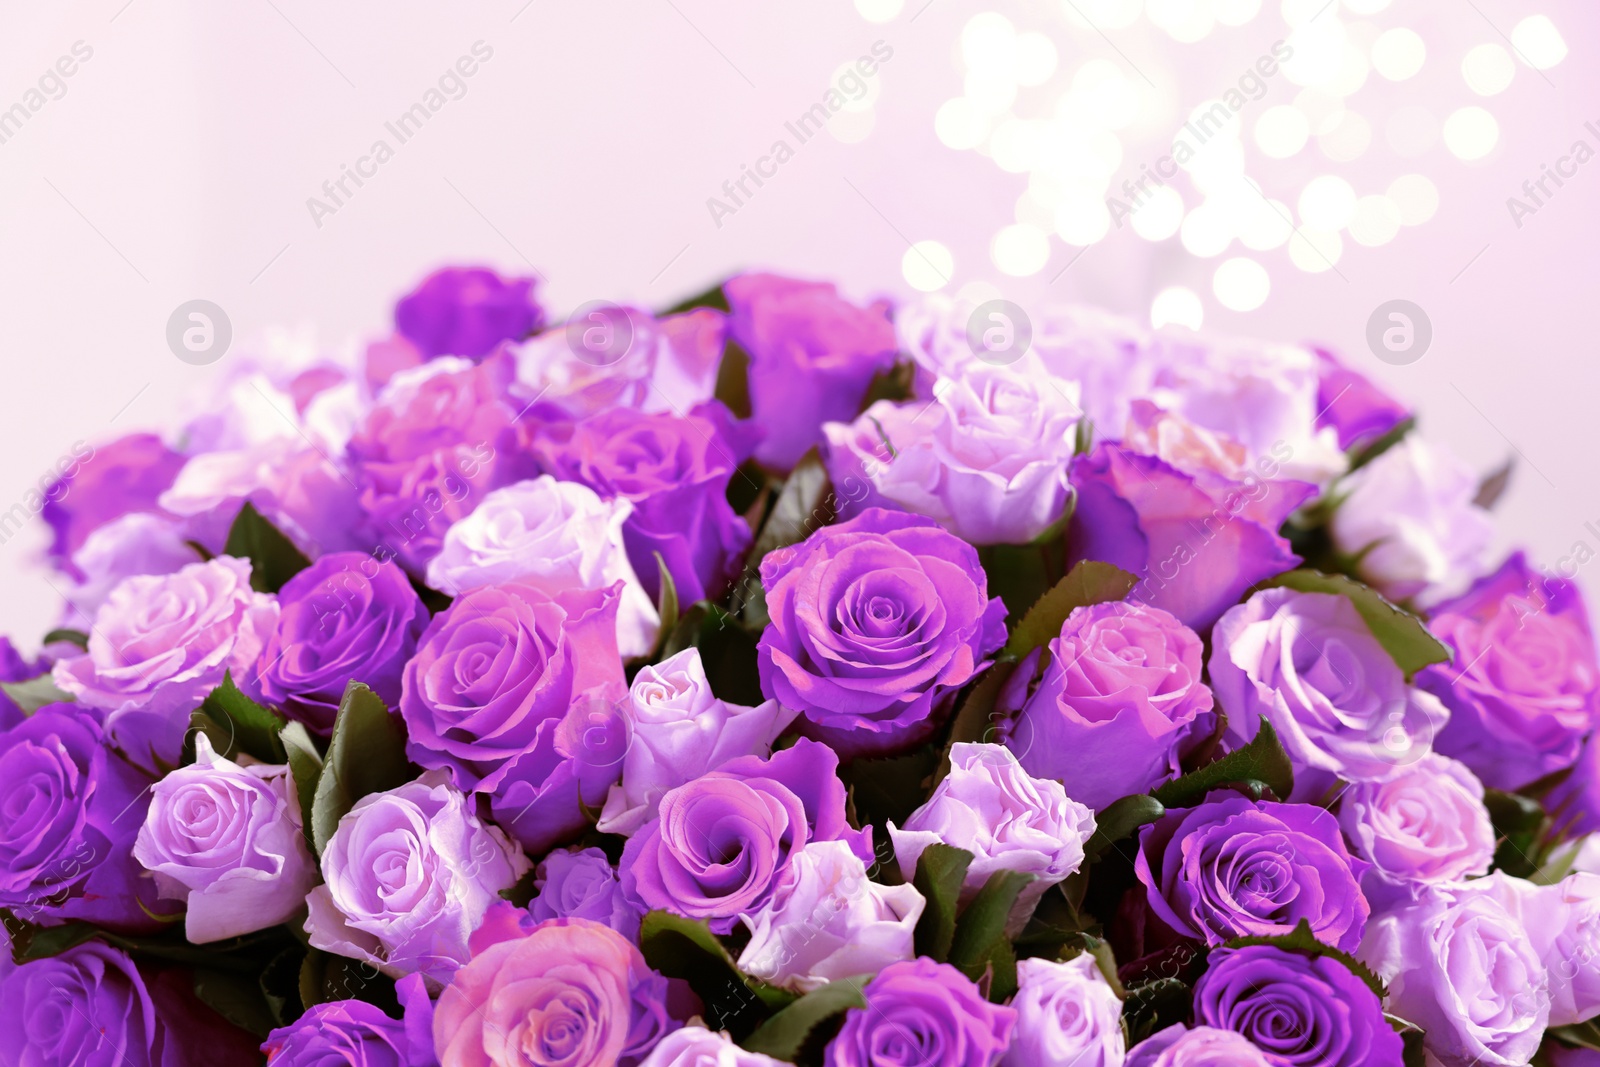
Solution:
(876, 623)
(409, 875)
(1204, 1046)
(812, 356)
(695, 1046)
(466, 311)
(101, 484)
(922, 1014)
(1066, 1013)
(1119, 701)
(160, 644)
(1357, 410)
(565, 993)
(985, 457)
(139, 542)
(826, 921)
(724, 840)
(1411, 519)
(1562, 922)
(227, 840)
(1523, 687)
(1232, 867)
(558, 535)
(1425, 826)
(1308, 664)
(1461, 966)
(583, 885)
(1008, 820)
(679, 730)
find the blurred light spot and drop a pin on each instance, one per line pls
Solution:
(1020, 250)
(1538, 41)
(1102, 14)
(1267, 226)
(988, 42)
(1375, 222)
(1206, 232)
(852, 127)
(1327, 202)
(1177, 306)
(1318, 52)
(1015, 144)
(1321, 110)
(927, 266)
(879, 10)
(1471, 133)
(1186, 21)
(1034, 212)
(1398, 53)
(1411, 131)
(1488, 69)
(991, 90)
(1416, 198)
(978, 292)
(868, 97)
(1101, 94)
(1035, 58)
(1281, 131)
(1081, 217)
(1159, 215)
(1235, 12)
(1299, 12)
(1347, 141)
(1241, 284)
(1352, 72)
(960, 123)
(1365, 7)
(1314, 251)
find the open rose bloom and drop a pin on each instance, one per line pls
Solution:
(793, 680)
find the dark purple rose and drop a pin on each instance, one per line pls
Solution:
(584, 885)
(466, 311)
(922, 1014)
(1523, 687)
(675, 472)
(875, 624)
(353, 1033)
(70, 809)
(105, 483)
(1301, 1011)
(812, 356)
(13, 668)
(91, 1007)
(1196, 543)
(723, 840)
(345, 618)
(1233, 867)
(1576, 801)
(1357, 410)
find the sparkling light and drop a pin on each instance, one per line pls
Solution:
(1471, 133)
(1537, 41)
(927, 266)
(1034, 212)
(1347, 141)
(1398, 53)
(1267, 226)
(1318, 52)
(1281, 131)
(1375, 222)
(1035, 58)
(991, 90)
(1314, 251)
(879, 10)
(852, 127)
(1299, 12)
(1020, 250)
(1327, 202)
(988, 42)
(1352, 72)
(1321, 110)
(1081, 217)
(1488, 69)
(1160, 215)
(1186, 20)
(1102, 95)
(1241, 284)
(1016, 144)
(1235, 12)
(1366, 7)
(1177, 306)
(868, 98)
(1102, 14)
(961, 124)
(1415, 196)
(1206, 231)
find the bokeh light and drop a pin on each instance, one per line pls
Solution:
(1471, 133)
(1241, 284)
(1327, 202)
(928, 266)
(1398, 53)
(1416, 197)
(1020, 250)
(1177, 306)
(1488, 69)
(1282, 131)
(1538, 42)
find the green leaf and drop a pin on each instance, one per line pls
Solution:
(235, 725)
(1016, 573)
(1494, 485)
(977, 721)
(1303, 941)
(982, 925)
(1402, 634)
(685, 948)
(273, 557)
(1580, 1035)
(785, 1034)
(325, 977)
(1002, 970)
(733, 380)
(1362, 454)
(236, 997)
(280, 985)
(893, 384)
(890, 788)
(305, 767)
(666, 608)
(1119, 820)
(1155, 1005)
(1518, 825)
(710, 298)
(1090, 582)
(804, 505)
(1258, 766)
(35, 693)
(30, 942)
(76, 637)
(367, 755)
(941, 870)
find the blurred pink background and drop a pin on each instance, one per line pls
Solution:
(178, 162)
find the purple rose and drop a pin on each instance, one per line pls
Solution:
(105, 483)
(922, 1014)
(1523, 686)
(227, 840)
(1301, 1011)
(567, 993)
(583, 885)
(345, 618)
(1575, 803)
(1066, 1013)
(675, 471)
(695, 1046)
(353, 1033)
(466, 311)
(1197, 548)
(1358, 410)
(1562, 922)
(1119, 702)
(1009, 821)
(1233, 867)
(1425, 826)
(876, 623)
(139, 542)
(13, 668)
(1308, 664)
(91, 1007)
(69, 811)
(495, 674)
(724, 840)
(1179, 1046)
(409, 874)
(812, 356)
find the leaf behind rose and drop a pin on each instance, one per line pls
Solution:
(235, 726)
(1119, 820)
(941, 870)
(1258, 766)
(680, 947)
(1402, 634)
(980, 934)
(1303, 941)
(274, 559)
(35, 693)
(785, 1034)
(367, 755)
(1090, 582)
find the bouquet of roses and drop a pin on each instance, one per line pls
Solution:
(776, 679)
